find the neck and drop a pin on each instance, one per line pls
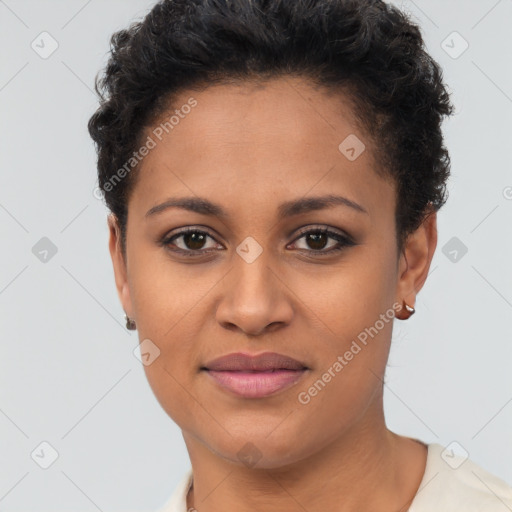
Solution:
(365, 468)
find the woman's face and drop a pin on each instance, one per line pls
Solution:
(249, 280)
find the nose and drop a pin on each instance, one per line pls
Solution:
(255, 299)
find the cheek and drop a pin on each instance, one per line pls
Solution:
(352, 295)
(171, 308)
(352, 326)
(162, 292)
(173, 372)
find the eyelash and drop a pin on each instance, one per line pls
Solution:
(343, 241)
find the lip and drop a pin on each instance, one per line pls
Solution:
(255, 376)
(240, 361)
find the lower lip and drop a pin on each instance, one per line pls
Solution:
(256, 384)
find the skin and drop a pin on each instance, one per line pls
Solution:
(251, 148)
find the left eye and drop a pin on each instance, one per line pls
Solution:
(317, 240)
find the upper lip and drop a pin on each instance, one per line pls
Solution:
(261, 362)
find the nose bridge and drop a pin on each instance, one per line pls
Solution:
(252, 277)
(253, 298)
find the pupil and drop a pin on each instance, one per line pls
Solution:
(191, 239)
(314, 237)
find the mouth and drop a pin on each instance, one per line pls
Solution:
(255, 376)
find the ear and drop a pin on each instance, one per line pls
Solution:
(415, 260)
(119, 264)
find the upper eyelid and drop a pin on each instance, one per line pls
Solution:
(326, 229)
(184, 231)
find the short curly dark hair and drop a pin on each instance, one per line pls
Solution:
(367, 49)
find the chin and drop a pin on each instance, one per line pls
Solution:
(258, 448)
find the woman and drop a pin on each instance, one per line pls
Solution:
(273, 171)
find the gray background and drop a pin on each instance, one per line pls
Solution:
(68, 373)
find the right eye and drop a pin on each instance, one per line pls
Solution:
(192, 241)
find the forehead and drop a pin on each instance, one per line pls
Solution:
(254, 142)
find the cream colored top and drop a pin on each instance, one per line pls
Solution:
(450, 483)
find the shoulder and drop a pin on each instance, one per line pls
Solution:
(452, 483)
(178, 500)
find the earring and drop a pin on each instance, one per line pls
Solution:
(406, 311)
(130, 324)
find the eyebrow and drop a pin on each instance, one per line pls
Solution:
(288, 209)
